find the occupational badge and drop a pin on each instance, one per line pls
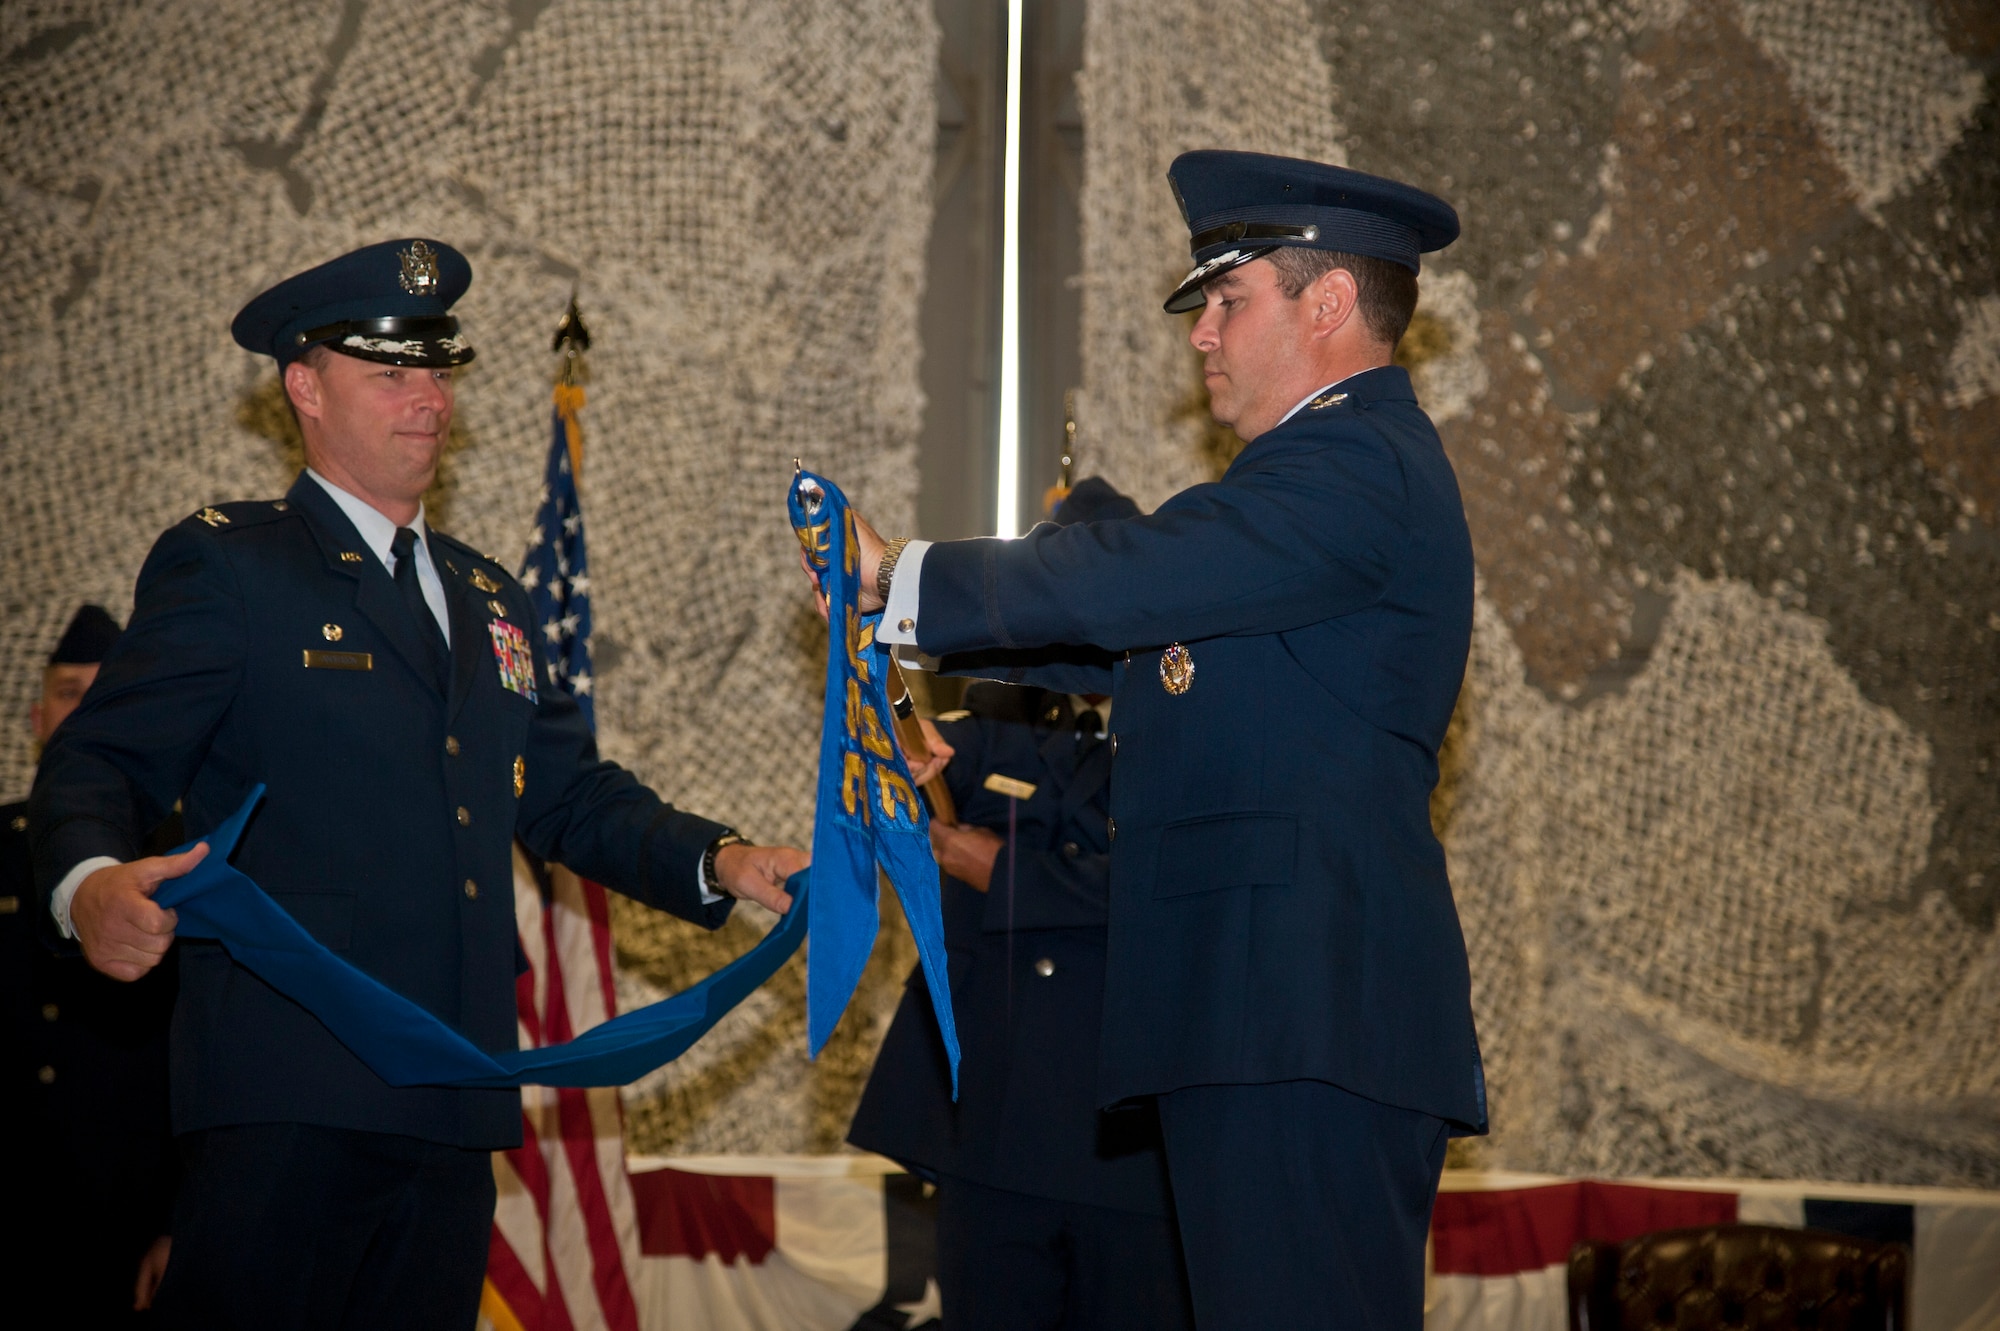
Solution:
(516, 659)
(420, 269)
(1176, 669)
(484, 583)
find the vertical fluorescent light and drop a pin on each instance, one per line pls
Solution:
(1007, 519)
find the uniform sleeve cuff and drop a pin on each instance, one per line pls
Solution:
(899, 617)
(66, 889)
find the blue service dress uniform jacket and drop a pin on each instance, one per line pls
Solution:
(1279, 904)
(1027, 977)
(267, 644)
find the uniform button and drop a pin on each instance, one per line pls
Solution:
(1114, 746)
(1111, 828)
(464, 816)
(451, 745)
(1071, 850)
(1045, 968)
(50, 1012)
(46, 1076)
(471, 890)
(906, 625)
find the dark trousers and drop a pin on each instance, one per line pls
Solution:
(1011, 1262)
(286, 1225)
(1301, 1205)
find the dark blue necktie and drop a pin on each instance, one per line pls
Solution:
(404, 547)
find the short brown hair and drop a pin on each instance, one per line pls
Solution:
(1387, 290)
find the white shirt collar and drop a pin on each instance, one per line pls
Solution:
(1310, 396)
(377, 531)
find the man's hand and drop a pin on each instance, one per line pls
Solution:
(966, 853)
(152, 1270)
(123, 933)
(758, 873)
(941, 754)
(870, 562)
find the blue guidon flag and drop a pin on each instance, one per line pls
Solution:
(869, 813)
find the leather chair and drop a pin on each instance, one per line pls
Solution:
(1738, 1276)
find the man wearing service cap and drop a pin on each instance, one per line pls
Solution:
(84, 1058)
(387, 683)
(1285, 977)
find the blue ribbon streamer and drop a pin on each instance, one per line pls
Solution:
(869, 813)
(404, 1043)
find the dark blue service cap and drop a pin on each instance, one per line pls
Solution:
(1241, 206)
(88, 638)
(1093, 500)
(388, 302)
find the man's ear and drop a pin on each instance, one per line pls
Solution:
(302, 386)
(1336, 301)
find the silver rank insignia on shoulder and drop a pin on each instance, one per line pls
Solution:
(214, 517)
(484, 583)
(1325, 400)
(420, 269)
(1176, 669)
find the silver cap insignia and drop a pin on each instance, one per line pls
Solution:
(420, 269)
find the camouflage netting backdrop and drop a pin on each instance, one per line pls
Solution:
(740, 193)
(1718, 362)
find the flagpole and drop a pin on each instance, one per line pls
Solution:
(916, 749)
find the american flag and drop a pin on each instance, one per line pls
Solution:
(565, 1245)
(556, 571)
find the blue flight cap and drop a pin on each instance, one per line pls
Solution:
(388, 302)
(1241, 206)
(1093, 500)
(88, 638)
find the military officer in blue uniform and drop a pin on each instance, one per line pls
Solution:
(387, 683)
(1286, 976)
(84, 1106)
(1050, 1214)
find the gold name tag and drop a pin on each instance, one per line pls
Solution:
(1007, 785)
(339, 660)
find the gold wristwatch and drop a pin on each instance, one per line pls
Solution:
(885, 571)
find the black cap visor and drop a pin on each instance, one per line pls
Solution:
(1188, 295)
(430, 342)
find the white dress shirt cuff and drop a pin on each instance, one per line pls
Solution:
(899, 617)
(65, 890)
(708, 898)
